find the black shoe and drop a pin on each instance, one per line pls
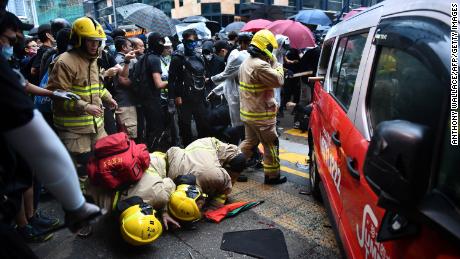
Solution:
(41, 221)
(279, 180)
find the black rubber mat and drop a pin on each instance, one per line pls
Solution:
(261, 243)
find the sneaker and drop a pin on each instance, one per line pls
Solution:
(33, 234)
(296, 125)
(43, 222)
(279, 180)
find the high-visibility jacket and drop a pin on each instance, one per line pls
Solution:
(205, 158)
(257, 80)
(76, 72)
(154, 187)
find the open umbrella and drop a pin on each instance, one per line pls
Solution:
(255, 25)
(313, 16)
(353, 12)
(200, 27)
(148, 17)
(234, 26)
(195, 19)
(299, 35)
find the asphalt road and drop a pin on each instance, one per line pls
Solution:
(303, 221)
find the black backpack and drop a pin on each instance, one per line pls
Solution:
(140, 81)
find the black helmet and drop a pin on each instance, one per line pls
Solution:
(245, 37)
(58, 24)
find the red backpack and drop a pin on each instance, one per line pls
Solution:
(118, 161)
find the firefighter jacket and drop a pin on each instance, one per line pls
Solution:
(258, 78)
(205, 158)
(77, 72)
(154, 187)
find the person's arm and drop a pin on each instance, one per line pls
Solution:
(160, 84)
(61, 78)
(230, 71)
(175, 79)
(128, 57)
(270, 77)
(35, 90)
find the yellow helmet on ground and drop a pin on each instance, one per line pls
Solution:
(86, 27)
(265, 41)
(139, 226)
(182, 203)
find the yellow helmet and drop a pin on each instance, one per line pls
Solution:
(86, 27)
(182, 203)
(139, 226)
(265, 41)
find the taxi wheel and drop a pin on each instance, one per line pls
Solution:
(314, 179)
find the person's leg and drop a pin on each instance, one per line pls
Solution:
(269, 139)
(296, 90)
(140, 125)
(127, 119)
(185, 123)
(199, 114)
(250, 141)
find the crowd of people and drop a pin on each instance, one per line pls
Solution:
(181, 99)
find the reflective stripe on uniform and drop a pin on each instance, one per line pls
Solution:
(77, 121)
(69, 105)
(87, 90)
(254, 88)
(255, 116)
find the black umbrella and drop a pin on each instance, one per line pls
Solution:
(234, 26)
(271, 13)
(148, 17)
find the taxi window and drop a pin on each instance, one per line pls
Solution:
(404, 88)
(345, 68)
(325, 56)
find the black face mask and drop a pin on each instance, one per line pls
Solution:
(158, 48)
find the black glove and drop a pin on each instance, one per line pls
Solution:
(81, 217)
(289, 73)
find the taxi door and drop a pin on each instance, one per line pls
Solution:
(403, 80)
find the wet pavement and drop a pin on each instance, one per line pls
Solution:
(303, 221)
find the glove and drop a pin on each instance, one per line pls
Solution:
(81, 217)
(171, 106)
(65, 95)
(211, 96)
(289, 74)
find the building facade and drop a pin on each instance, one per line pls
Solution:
(24, 9)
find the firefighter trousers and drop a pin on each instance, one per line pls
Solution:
(255, 134)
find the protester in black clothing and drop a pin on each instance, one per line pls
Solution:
(105, 62)
(187, 87)
(214, 64)
(151, 104)
(291, 84)
(47, 39)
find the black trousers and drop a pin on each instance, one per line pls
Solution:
(154, 123)
(195, 108)
(291, 89)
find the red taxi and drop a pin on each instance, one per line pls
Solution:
(381, 153)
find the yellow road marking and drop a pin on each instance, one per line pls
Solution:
(294, 172)
(293, 157)
(296, 132)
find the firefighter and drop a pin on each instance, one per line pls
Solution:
(215, 165)
(80, 123)
(259, 75)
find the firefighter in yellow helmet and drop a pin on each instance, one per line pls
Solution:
(259, 75)
(79, 123)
